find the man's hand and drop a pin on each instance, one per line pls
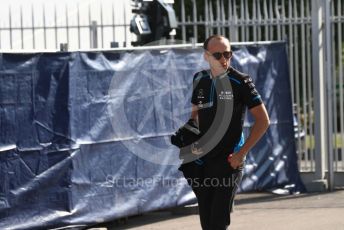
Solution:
(259, 127)
(235, 160)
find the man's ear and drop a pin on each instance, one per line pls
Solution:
(206, 57)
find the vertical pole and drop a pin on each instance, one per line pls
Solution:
(44, 26)
(218, 17)
(67, 24)
(10, 24)
(310, 93)
(206, 16)
(254, 20)
(296, 75)
(284, 36)
(319, 91)
(229, 18)
(55, 27)
(278, 19)
(266, 20)
(94, 35)
(127, 41)
(22, 27)
(242, 19)
(223, 19)
(236, 24)
(271, 18)
(211, 15)
(79, 37)
(334, 82)
(193, 42)
(341, 79)
(291, 50)
(247, 22)
(33, 26)
(259, 21)
(90, 24)
(328, 67)
(102, 23)
(304, 82)
(183, 21)
(113, 23)
(194, 16)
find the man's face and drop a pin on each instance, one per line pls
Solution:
(217, 54)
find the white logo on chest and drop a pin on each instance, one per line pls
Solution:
(226, 95)
(200, 94)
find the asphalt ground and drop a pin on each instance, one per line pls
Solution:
(258, 211)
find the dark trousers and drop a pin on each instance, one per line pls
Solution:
(214, 184)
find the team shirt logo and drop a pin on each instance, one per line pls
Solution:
(200, 94)
(226, 95)
(248, 80)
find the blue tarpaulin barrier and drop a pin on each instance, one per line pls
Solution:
(85, 136)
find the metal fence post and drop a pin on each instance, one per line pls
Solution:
(195, 20)
(193, 42)
(183, 21)
(94, 35)
(319, 83)
(329, 89)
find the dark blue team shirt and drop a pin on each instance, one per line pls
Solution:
(233, 88)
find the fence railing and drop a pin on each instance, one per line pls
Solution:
(290, 20)
(82, 24)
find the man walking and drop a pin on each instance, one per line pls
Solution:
(220, 97)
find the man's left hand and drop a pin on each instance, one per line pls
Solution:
(235, 160)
